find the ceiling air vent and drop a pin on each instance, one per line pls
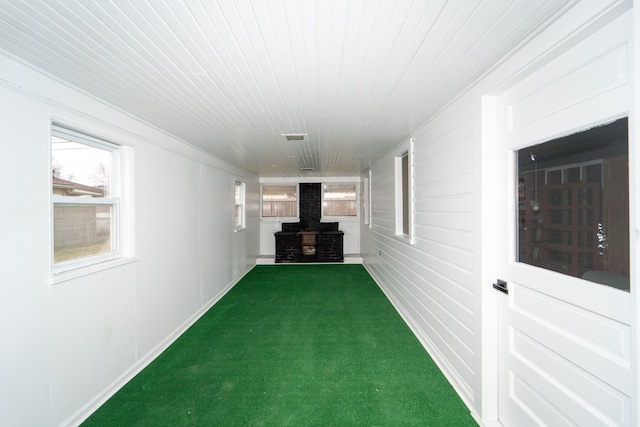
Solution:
(295, 136)
(306, 169)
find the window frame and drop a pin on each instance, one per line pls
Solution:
(278, 184)
(121, 245)
(367, 199)
(357, 198)
(241, 188)
(404, 199)
(576, 227)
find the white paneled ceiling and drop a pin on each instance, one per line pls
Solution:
(233, 76)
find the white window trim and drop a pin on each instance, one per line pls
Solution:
(368, 216)
(365, 200)
(243, 206)
(281, 218)
(408, 148)
(120, 200)
(340, 217)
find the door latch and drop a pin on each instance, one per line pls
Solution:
(501, 285)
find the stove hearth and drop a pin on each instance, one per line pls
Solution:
(298, 244)
(309, 240)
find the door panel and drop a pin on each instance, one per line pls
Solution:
(560, 361)
(564, 342)
(552, 347)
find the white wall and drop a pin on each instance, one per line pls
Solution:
(66, 346)
(433, 283)
(442, 284)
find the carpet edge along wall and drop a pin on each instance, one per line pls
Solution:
(303, 345)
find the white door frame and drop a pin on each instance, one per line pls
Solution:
(489, 178)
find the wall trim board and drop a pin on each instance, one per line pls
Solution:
(92, 405)
(437, 357)
(485, 265)
(634, 200)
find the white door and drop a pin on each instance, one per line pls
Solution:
(564, 342)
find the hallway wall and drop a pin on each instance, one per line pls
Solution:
(433, 282)
(68, 344)
(441, 284)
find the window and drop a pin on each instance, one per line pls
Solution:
(404, 191)
(406, 224)
(86, 199)
(367, 199)
(573, 205)
(239, 211)
(279, 201)
(339, 200)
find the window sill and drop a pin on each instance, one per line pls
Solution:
(280, 218)
(339, 218)
(75, 273)
(405, 238)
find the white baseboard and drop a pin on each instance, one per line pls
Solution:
(436, 356)
(90, 407)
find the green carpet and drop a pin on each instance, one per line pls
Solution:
(294, 345)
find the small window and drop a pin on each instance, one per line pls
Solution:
(339, 200)
(279, 201)
(404, 191)
(239, 211)
(367, 199)
(406, 214)
(573, 205)
(86, 199)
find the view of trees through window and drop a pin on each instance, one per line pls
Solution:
(83, 210)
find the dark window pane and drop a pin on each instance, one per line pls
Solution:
(585, 196)
(594, 173)
(572, 175)
(554, 177)
(576, 220)
(405, 194)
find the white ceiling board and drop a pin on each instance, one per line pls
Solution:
(232, 76)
